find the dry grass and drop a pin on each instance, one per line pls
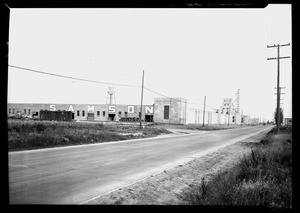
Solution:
(264, 178)
(29, 134)
(197, 126)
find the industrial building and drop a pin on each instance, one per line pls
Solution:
(82, 112)
(164, 110)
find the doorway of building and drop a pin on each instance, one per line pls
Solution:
(148, 118)
(90, 116)
(111, 117)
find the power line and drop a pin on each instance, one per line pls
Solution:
(168, 96)
(157, 93)
(73, 78)
(211, 107)
(99, 82)
(177, 99)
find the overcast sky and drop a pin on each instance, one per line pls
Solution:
(184, 52)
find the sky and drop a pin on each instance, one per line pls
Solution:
(184, 52)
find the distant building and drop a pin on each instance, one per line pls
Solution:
(227, 106)
(288, 121)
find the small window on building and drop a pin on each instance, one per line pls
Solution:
(78, 113)
(13, 111)
(120, 113)
(29, 111)
(9, 111)
(103, 113)
(24, 111)
(98, 113)
(83, 113)
(126, 114)
(166, 112)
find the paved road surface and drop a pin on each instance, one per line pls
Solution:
(73, 175)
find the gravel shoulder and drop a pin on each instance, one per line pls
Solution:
(170, 186)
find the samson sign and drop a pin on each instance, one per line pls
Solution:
(111, 109)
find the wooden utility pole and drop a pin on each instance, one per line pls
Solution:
(242, 118)
(142, 101)
(229, 108)
(204, 109)
(278, 79)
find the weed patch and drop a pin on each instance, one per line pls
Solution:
(264, 178)
(23, 135)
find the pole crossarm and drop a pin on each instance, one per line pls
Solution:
(278, 58)
(280, 45)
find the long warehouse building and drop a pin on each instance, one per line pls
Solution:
(164, 110)
(160, 111)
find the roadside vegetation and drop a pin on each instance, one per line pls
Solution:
(30, 134)
(198, 126)
(264, 178)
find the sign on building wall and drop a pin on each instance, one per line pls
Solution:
(71, 108)
(52, 107)
(91, 109)
(149, 109)
(111, 109)
(130, 109)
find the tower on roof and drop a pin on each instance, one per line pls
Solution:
(111, 96)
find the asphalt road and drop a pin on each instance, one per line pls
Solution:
(73, 175)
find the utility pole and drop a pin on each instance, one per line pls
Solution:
(249, 119)
(229, 114)
(278, 82)
(170, 111)
(242, 118)
(204, 109)
(141, 101)
(281, 93)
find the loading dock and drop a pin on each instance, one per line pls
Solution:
(148, 118)
(111, 117)
(90, 116)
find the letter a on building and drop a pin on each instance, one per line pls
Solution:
(71, 108)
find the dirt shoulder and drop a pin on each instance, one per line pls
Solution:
(170, 186)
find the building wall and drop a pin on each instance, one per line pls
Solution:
(101, 111)
(177, 110)
(195, 116)
(288, 121)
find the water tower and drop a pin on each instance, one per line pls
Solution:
(111, 96)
